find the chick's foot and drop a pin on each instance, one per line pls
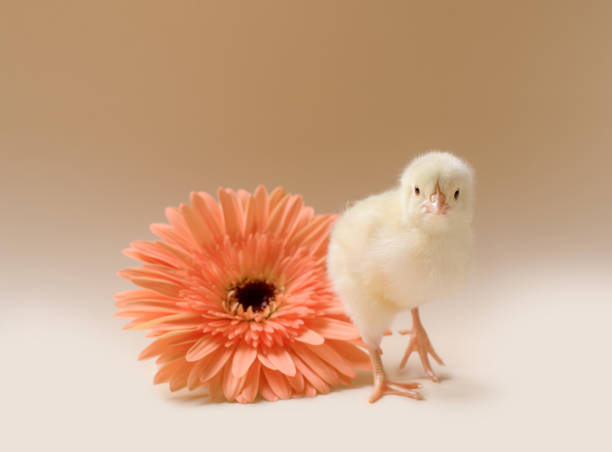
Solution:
(383, 386)
(419, 342)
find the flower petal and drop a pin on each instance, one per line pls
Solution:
(173, 352)
(319, 248)
(202, 347)
(200, 233)
(164, 374)
(134, 308)
(180, 227)
(158, 285)
(251, 384)
(256, 211)
(142, 319)
(315, 227)
(315, 363)
(276, 196)
(309, 391)
(152, 252)
(321, 232)
(183, 321)
(266, 392)
(139, 294)
(312, 377)
(217, 361)
(310, 337)
(333, 358)
(232, 385)
(158, 346)
(231, 213)
(179, 378)
(297, 382)
(208, 210)
(334, 329)
(354, 355)
(243, 358)
(193, 380)
(292, 212)
(151, 271)
(263, 359)
(304, 218)
(276, 216)
(243, 197)
(215, 391)
(280, 359)
(278, 383)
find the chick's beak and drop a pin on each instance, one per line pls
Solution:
(437, 202)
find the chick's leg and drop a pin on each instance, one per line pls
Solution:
(384, 386)
(419, 342)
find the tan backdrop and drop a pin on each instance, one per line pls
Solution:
(112, 110)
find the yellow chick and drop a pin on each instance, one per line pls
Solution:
(398, 249)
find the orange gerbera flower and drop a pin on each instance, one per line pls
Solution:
(237, 296)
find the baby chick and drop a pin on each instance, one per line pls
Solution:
(398, 249)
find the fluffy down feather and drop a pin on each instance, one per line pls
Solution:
(393, 251)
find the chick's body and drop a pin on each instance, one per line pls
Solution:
(381, 266)
(391, 252)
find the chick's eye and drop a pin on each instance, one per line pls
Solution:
(417, 190)
(457, 194)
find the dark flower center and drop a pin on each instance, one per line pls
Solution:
(254, 294)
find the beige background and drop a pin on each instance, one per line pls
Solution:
(112, 110)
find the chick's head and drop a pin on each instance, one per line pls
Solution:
(437, 192)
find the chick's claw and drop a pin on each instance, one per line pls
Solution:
(419, 342)
(384, 386)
